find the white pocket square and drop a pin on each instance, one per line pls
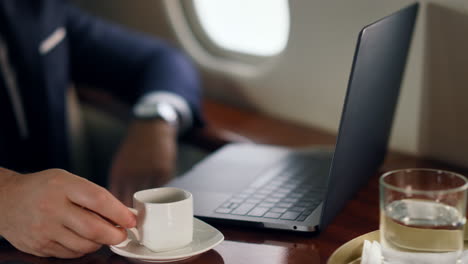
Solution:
(53, 40)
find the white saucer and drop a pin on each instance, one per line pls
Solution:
(205, 237)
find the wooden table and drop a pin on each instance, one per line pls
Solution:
(255, 246)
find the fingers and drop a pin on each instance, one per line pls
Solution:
(102, 202)
(72, 241)
(48, 248)
(93, 227)
(56, 224)
(54, 249)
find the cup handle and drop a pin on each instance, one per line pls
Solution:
(134, 230)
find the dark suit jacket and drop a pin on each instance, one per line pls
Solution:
(93, 52)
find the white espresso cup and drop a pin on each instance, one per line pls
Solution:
(164, 218)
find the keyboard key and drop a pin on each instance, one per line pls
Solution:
(290, 200)
(254, 201)
(272, 215)
(278, 210)
(295, 195)
(312, 195)
(230, 205)
(303, 204)
(226, 205)
(222, 210)
(269, 188)
(268, 205)
(307, 212)
(297, 209)
(289, 186)
(236, 200)
(290, 215)
(243, 209)
(301, 218)
(258, 211)
(310, 199)
(283, 190)
(285, 205)
(278, 195)
(259, 196)
(272, 200)
(276, 182)
(265, 191)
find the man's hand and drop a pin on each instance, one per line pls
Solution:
(54, 213)
(146, 159)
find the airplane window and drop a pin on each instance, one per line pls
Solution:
(259, 27)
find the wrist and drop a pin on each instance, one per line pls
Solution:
(6, 177)
(148, 128)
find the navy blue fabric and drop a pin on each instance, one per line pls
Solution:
(100, 54)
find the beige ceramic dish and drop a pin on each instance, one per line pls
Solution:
(350, 252)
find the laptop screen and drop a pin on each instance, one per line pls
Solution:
(367, 116)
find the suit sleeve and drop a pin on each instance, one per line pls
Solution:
(128, 64)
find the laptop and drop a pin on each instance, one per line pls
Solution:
(304, 189)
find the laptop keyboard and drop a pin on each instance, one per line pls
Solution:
(288, 193)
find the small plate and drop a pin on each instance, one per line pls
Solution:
(350, 252)
(205, 237)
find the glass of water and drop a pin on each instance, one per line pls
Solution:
(422, 215)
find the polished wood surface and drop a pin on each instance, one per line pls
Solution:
(247, 245)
